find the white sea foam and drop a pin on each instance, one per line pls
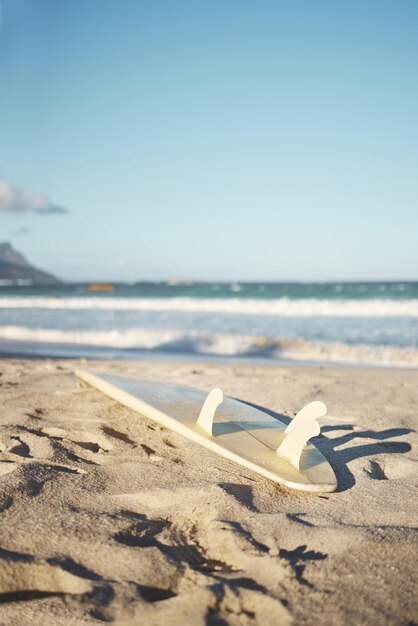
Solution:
(284, 307)
(220, 344)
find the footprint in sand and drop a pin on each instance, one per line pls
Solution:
(12, 459)
(177, 546)
(23, 578)
(391, 469)
(50, 442)
(117, 434)
(95, 442)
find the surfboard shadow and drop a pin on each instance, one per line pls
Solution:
(340, 458)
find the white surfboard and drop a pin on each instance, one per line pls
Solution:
(230, 428)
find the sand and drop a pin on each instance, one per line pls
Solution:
(107, 517)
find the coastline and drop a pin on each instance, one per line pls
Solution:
(34, 350)
(108, 517)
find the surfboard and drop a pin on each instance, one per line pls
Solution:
(230, 428)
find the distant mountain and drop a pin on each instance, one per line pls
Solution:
(15, 269)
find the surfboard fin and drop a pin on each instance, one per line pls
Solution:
(207, 412)
(302, 427)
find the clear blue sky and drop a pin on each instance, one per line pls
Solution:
(226, 139)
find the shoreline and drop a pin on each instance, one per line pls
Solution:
(27, 350)
(106, 516)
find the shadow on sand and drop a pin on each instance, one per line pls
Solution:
(339, 459)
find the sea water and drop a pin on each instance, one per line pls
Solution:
(349, 323)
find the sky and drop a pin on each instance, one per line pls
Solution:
(211, 140)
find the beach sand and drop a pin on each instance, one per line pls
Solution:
(108, 517)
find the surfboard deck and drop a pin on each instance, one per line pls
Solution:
(241, 433)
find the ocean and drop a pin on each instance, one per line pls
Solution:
(372, 324)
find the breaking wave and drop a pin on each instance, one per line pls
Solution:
(219, 344)
(242, 306)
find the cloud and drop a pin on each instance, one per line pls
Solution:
(20, 231)
(16, 200)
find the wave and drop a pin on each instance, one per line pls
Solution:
(284, 307)
(219, 344)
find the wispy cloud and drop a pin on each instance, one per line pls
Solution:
(13, 199)
(20, 231)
